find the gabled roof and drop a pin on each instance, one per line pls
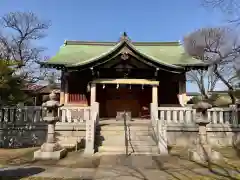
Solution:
(79, 53)
(35, 88)
(32, 87)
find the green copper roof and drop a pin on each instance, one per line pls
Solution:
(77, 53)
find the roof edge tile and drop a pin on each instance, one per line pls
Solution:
(108, 43)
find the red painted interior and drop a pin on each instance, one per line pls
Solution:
(134, 99)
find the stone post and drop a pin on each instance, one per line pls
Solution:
(234, 113)
(90, 130)
(160, 129)
(162, 137)
(51, 150)
(202, 151)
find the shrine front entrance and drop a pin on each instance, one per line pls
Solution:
(119, 98)
(119, 95)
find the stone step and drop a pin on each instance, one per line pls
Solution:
(122, 142)
(122, 123)
(69, 142)
(124, 153)
(122, 128)
(149, 149)
(122, 133)
(66, 144)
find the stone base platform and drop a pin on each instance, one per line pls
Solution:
(194, 155)
(55, 155)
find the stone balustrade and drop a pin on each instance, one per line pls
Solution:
(186, 115)
(24, 126)
(34, 114)
(74, 114)
(180, 128)
(19, 115)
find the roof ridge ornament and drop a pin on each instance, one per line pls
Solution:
(124, 37)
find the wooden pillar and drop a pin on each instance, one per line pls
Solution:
(93, 93)
(62, 90)
(66, 90)
(182, 90)
(155, 95)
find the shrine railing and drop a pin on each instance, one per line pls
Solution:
(74, 114)
(186, 115)
(19, 115)
(35, 114)
(22, 126)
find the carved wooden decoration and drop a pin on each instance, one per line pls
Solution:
(124, 56)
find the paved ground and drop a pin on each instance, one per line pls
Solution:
(139, 167)
(116, 173)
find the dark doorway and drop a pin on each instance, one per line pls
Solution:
(134, 98)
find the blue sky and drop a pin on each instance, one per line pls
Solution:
(105, 20)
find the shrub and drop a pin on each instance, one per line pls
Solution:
(221, 101)
(217, 100)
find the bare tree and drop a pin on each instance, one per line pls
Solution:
(206, 80)
(229, 7)
(199, 77)
(220, 47)
(19, 33)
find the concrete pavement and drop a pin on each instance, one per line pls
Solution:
(116, 173)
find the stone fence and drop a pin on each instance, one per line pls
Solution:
(181, 130)
(24, 126)
(186, 115)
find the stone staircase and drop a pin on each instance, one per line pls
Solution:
(132, 137)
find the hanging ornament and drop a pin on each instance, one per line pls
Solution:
(103, 86)
(156, 72)
(92, 71)
(88, 88)
(142, 86)
(130, 86)
(117, 86)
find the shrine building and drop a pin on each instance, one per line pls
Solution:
(123, 75)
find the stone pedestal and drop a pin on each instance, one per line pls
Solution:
(51, 150)
(204, 154)
(54, 155)
(202, 151)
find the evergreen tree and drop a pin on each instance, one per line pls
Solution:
(11, 85)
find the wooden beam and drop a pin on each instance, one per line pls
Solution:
(127, 81)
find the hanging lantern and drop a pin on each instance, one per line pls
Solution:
(117, 86)
(88, 88)
(130, 86)
(103, 86)
(142, 86)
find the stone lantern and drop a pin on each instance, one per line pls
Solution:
(51, 149)
(202, 150)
